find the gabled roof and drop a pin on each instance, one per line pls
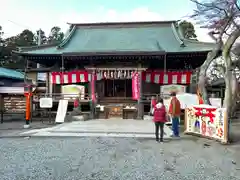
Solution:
(12, 74)
(158, 36)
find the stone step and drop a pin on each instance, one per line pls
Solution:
(120, 135)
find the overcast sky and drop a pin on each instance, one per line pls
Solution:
(16, 15)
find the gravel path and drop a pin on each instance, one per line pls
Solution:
(115, 158)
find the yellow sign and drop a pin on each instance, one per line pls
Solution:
(73, 91)
(168, 89)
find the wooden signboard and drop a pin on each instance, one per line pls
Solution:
(207, 121)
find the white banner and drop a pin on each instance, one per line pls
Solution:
(62, 110)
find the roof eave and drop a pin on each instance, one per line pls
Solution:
(189, 52)
(198, 42)
(34, 54)
(15, 78)
(120, 53)
(28, 48)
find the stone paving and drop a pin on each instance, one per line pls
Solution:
(102, 127)
(16, 127)
(98, 158)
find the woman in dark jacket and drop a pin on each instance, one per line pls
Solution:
(159, 118)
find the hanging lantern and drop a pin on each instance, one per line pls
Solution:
(119, 74)
(132, 72)
(115, 74)
(125, 74)
(128, 74)
(104, 74)
(111, 74)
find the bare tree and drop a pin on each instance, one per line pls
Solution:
(1, 33)
(221, 17)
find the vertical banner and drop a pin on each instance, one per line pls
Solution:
(93, 79)
(135, 86)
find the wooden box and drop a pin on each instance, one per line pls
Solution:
(129, 113)
(102, 114)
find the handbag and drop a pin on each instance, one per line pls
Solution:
(168, 117)
(152, 112)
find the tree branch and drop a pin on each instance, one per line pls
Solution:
(235, 3)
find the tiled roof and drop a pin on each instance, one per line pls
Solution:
(123, 37)
(9, 73)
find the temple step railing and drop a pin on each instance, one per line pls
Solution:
(116, 100)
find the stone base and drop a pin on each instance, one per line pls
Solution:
(83, 117)
(76, 112)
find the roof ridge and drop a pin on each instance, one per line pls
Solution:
(69, 36)
(124, 23)
(176, 34)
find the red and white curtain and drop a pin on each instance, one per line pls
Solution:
(158, 77)
(69, 77)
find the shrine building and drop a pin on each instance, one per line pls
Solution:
(119, 64)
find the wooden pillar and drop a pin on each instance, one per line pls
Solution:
(2, 106)
(92, 90)
(28, 109)
(50, 85)
(140, 100)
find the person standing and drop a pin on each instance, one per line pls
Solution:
(175, 112)
(152, 105)
(159, 118)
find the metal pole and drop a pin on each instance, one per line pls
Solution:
(27, 116)
(62, 69)
(165, 63)
(39, 43)
(29, 106)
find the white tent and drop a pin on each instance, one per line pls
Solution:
(186, 100)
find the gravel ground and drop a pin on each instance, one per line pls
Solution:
(116, 158)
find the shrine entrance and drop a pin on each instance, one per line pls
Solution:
(118, 88)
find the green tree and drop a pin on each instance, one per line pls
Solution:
(1, 45)
(188, 30)
(56, 36)
(25, 38)
(42, 36)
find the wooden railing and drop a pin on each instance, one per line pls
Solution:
(123, 100)
(86, 98)
(146, 97)
(58, 96)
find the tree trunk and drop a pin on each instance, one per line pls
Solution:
(230, 81)
(203, 69)
(234, 92)
(228, 92)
